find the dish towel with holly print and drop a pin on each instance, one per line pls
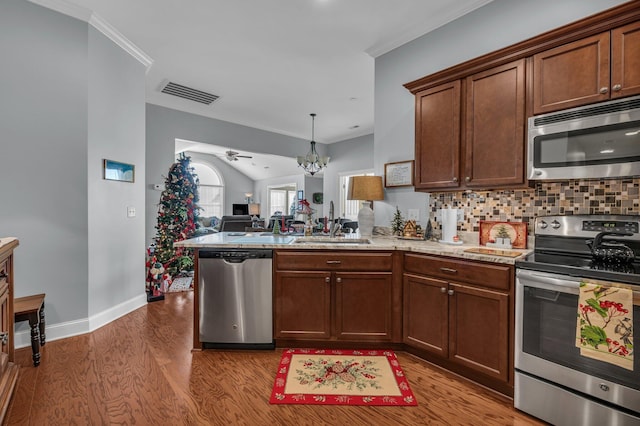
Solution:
(605, 323)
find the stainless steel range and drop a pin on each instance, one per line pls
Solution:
(553, 381)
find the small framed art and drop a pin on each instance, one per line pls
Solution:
(115, 170)
(398, 174)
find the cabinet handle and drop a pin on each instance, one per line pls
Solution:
(604, 90)
(338, 280)
(449, 270)
(333, 262)
(443, 289)
(617, 87)
(455, 179)
(450, 292)
(327, 279)
(4, 338)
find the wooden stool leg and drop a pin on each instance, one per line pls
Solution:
(35, 341)
(43, 337)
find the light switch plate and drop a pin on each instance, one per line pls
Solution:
(131, 211)
(413, 214)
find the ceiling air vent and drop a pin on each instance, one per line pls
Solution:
(185, 92)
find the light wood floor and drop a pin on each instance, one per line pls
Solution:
(140, 370)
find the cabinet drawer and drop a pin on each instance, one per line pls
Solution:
(483, 274)
(333, 261)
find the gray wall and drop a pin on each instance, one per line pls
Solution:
(164, 126)
(351, 155)
(116, 132)
(492, 27)
(69, 97)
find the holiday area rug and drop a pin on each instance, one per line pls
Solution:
(341, 377)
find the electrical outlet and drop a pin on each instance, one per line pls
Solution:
(131, 211)
(413, 214)
(460, 215)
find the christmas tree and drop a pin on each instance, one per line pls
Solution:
(177, 217)
(397, 223)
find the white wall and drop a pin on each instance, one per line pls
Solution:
(498, 24)
(69, 97)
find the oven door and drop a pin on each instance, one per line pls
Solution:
(546, 315)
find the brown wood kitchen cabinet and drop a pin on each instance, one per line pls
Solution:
(335, 296)
(8, 370)
(593, 69)
(470, 132)
(458, 313)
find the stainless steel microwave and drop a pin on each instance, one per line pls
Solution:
(595, 141)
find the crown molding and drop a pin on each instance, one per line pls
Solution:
(101, 25)
(125, 44)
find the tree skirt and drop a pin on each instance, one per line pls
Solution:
(180, 284)
(341, 377)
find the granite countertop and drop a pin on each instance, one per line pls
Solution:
(288, 242)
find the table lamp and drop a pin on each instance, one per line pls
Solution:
(365, 189)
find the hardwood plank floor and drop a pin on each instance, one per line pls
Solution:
(140, 369)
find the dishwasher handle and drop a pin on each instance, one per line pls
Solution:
(235, 255)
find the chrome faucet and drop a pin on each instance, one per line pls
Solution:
(333, 227)
(330, 224)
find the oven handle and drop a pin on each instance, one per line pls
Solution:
(534, 279)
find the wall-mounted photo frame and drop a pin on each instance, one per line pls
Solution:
(398, 174)
(318, 197)
(115, 170)
(300, 195)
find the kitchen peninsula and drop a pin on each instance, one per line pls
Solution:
(448, 304)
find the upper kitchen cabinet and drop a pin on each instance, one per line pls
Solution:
(437, 147)
(494, 127)
(589, 70)
(483, 150)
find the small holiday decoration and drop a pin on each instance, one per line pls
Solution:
(397, 223)
(177, 217)
(410, 229)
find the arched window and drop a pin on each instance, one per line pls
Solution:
(210, 189)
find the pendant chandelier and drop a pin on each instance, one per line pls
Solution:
(312, 163)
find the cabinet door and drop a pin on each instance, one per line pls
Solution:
(5, 320)
(437, 141)
(478, 329)
(364, 304)
(302, 305)
(625, 60)
(494, 127)
(571, 75)
(425, 310)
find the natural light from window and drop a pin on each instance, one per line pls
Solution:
(281, 198)
(349, 208)
(210, 189)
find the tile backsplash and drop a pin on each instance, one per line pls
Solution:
(607, 196)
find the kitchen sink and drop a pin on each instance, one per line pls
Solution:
(331, 240)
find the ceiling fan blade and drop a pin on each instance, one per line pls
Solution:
(243, 156)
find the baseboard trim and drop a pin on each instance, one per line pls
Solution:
(75, 328)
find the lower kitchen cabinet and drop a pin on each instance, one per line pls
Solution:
(336, 296)
(460, 312)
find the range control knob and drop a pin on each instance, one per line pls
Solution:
(555, 224)
(543, 224)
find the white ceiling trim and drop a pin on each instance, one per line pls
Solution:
(99, 24)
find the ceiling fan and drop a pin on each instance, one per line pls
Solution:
(233, 155)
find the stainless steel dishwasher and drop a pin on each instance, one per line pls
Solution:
(235, 298)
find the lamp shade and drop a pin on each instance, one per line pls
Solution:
(254, 209)
(365, 188)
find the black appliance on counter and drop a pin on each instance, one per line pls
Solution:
(552, 380)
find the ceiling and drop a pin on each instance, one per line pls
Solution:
(272, 63)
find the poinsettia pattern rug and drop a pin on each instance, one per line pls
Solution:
(341, 377)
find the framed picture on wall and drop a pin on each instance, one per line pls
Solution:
(115, 170)
(398, 174)
(300, 195)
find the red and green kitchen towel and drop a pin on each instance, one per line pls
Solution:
(605, 323)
